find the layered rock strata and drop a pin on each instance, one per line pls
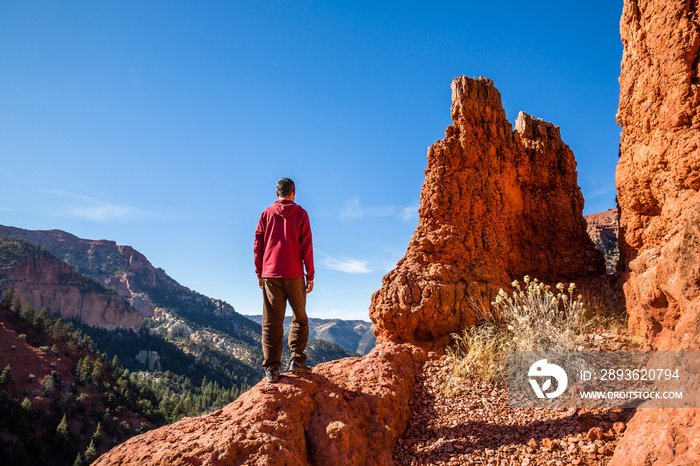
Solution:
(350, 412)
(44, 281)
(496, 204)
(658, 174)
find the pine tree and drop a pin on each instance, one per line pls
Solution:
(26, 404)
(97, 436)
(63, 442)
(97, 372)
(28, 313)
(20, 457)
(83, 371)
(9, 297)
(63, 431)
(5, 376)
(91, 453)
(17, 306)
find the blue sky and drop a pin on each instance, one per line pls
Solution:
(164, 125)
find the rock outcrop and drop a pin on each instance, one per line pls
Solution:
(658, 174)
(603, 229)
(658, 178)
(40, 278)
(350, 412)
(496, 204)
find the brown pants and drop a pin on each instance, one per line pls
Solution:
(276, 293)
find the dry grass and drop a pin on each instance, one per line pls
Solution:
(534, 317)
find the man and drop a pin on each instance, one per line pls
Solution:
(283, 248)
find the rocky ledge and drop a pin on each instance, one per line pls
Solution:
(351, 412)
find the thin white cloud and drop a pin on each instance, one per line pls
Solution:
(344, 264)
(410, 212)
(354, 210)
(97, 210)
(5, 209)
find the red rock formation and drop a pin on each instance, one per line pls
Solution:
(658, 175)
(348, 412)
(658, 178)
(47, 282)
(603, 229)
(496, 204)
(660, 437)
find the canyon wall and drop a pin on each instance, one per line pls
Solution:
(658, 174)
(496, 204)
(658, 178)
(40, 278)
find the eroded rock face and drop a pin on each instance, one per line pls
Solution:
(496, 204)
(47, 282)
(660, 437)
(658, 175)
(349, 412)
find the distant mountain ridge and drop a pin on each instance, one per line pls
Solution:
(353, 335)
(121, 267)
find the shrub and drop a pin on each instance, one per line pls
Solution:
(533, 318)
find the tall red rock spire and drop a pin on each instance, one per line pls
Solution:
(496, 204)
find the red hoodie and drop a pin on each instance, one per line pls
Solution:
(283, 245)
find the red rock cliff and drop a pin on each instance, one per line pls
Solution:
(496, 204)
(658, 174)
(45, 281)
(658, 178)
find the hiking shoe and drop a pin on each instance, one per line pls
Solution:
(272, 374)
(299, 368)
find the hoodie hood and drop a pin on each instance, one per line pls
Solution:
(285, 208)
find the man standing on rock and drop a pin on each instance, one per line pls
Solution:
(283, 248)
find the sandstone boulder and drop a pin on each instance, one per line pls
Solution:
(496, 204)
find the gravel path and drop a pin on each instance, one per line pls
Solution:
(476, 426)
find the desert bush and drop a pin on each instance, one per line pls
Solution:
(535, 317)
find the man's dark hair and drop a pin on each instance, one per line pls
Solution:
(285, 187)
